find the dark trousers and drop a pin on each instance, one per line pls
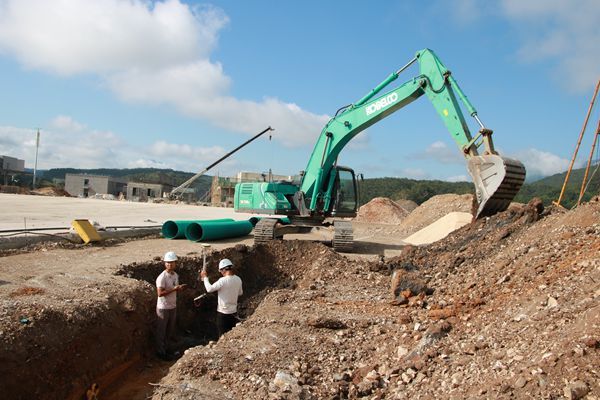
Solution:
(165, 328)
(225, 322)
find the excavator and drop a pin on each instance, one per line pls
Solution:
(327, 191)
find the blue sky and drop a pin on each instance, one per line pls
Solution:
(177, 84)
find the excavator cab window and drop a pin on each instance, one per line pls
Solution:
(345, 204)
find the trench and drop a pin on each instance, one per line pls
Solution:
(132, 378)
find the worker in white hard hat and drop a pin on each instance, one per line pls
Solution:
(167, 286)
(228, 288)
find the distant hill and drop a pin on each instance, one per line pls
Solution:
(548, 189)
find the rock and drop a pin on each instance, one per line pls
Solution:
(401, 351)
(576, 390)
(552, 302)
(520, 382)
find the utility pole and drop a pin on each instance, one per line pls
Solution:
(37, 146)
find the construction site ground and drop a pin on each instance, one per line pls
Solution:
(504, 307)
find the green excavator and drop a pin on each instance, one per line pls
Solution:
(328, 190)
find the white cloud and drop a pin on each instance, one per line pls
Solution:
(565, 32)
(540, 163)
(63, 122)
(146, 52)
(69, 143)
(16, 142)
(195, 155)
(83, 36)
(412, 173)
(459, 178)
(143, 163)
(440, 152)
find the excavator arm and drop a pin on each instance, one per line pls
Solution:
(497, 179)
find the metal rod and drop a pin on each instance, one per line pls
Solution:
(193, 178)
(478, 121)
(589, 163)
(37, 146)
(411, 62)
(62, 228)
(587, 117)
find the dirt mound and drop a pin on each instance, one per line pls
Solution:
(434, 209)
(49, 191)
(381, 210)
(495, 310)
(408, 205)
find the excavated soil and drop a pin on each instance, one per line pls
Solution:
(506, 307)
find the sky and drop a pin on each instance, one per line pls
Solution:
(177, 84)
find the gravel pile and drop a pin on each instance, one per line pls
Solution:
(381, 210)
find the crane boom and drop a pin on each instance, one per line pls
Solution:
(187, 183)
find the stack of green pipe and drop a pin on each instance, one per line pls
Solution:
(177, 229)
(202, 231)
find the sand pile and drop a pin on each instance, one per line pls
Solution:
(381, 210)
(434, 209)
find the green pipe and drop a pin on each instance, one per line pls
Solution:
(197, 232)
(176, 229)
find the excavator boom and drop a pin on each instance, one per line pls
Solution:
(497, 179)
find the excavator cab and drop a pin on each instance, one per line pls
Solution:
(346, 193)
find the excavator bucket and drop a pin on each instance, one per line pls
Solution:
(497, 181)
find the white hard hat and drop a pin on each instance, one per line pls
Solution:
(225, 263)
(170, 256)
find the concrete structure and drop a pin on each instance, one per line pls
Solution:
(137, 191)
(11, 164)
(222, 190)
(83, 185)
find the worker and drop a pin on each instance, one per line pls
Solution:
(228, 288)
(167, 286)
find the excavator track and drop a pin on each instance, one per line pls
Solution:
(264, 231)
(343, 237)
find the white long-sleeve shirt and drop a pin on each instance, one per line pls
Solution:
(229, 288)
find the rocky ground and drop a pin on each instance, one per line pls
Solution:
(507, 307)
